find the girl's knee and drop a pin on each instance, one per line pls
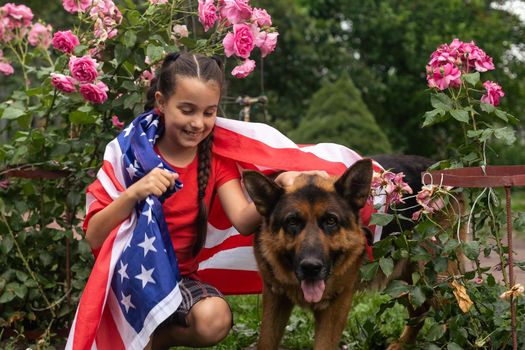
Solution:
(212, 319)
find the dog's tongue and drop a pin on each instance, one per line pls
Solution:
(312, 290)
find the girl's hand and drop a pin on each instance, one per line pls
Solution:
(288, 177)
(156, 182)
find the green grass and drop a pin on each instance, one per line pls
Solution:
(364, 330)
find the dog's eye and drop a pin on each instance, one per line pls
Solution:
(293, 224)
(292, 221)
(330, 221)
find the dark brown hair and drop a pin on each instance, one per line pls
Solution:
(207, 69)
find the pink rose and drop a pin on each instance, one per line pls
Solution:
(244, 69)
(63, 83)
(494, 93)
(147, 75)
(241, 42)
(428, 200)
(94, 93)
(207, 14)
(17, 16)
(180, 31)
(261, 17)
(116, 122)
(65, 41)
(40, 35)
(158, 2)
(266, 42)
(444, 76)
(74, 6)
(236, 11)
(83, 69)
(6, 68)
(5, 35)
(4, 184)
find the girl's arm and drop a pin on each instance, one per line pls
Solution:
(242, 213)
(156, 182)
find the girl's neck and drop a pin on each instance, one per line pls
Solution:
(175, 155)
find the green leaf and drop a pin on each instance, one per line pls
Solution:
(397, 288)
(45, 258)
(471, 249)
(441, 101)
(453, 346)
(506, 134)
(12, 113)
(368, 271)
(22, 276)
(7, 296)
(78, 117)
(188, 42)
(418, 297)
(132, 16)
(433, 117)
(381, 219)
(387, 266)
(130, 38)
(121, 53)
(154, 52)
(487, 107)
(436, 331)
(34, 91)
(20, 290)
(6, 244)
(471, 78)
(460, 115)
(501, 115)
(440, 264)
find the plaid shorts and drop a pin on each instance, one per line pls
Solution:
(192, 292)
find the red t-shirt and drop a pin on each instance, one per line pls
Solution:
(180, 210)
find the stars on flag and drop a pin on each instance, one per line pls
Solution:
(122, 271)
(127, 131)
(147, 244)
(149, 212)
(126, 302)
(145, 276)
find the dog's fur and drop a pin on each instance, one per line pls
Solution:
(311, 245)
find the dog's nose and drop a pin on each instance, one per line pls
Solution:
(311, 267)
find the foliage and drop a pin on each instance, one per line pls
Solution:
(338, 114)
(468, 307)
(388, 42)
(71, 88)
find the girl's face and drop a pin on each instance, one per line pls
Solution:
(190, 113)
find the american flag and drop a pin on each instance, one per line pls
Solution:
(133, 285)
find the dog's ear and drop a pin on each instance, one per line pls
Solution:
(354, 184)
(263, 191)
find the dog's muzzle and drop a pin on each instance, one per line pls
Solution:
(311, 272)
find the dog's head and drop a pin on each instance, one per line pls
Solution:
(311, 230)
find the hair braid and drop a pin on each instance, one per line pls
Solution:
(203, 175)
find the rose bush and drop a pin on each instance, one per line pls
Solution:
(79, 86)
(472, 314)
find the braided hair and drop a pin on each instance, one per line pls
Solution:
(207, 69)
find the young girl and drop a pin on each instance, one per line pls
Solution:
(186, 94)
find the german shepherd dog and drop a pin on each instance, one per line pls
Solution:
(311, 244)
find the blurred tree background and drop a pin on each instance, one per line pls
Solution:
(381, 46)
